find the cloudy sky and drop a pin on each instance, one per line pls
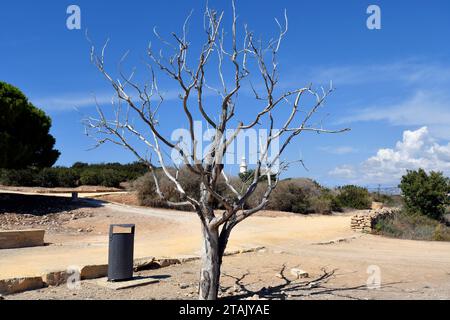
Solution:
(392, 85)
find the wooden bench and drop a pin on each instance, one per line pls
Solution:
(21, 238)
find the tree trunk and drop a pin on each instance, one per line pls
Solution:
(210, 269)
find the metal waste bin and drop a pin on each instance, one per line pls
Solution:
(121, 250)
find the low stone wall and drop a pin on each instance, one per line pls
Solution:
(56, 278)
(21, 238)
(365, 222)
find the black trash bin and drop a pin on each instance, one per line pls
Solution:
(121, 250)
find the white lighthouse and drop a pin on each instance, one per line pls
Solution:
(243, 166)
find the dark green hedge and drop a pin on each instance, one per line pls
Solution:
(105, 174)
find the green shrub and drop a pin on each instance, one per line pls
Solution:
(110, 178)
(21, 177)
(147, 195)
(325, 203)
(425, 193)
(47, 178)
(441, 233)
(67, 178)
(405, 225)
(353, 197)
(90, 178)
(296, 195)
(108, 175)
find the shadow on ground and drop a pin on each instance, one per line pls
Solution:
(291, 289)
(42, 205)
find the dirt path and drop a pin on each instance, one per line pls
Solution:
(160, 233)
(260, 276)
(408, 269)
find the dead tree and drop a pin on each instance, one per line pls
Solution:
(136, 106)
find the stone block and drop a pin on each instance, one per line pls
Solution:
(16, 285)
(12, 239)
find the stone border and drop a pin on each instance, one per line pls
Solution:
(13, 239)
(366, 222)
(58, 277)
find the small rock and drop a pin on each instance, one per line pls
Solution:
(299, 273)
(1, 297)
(279, 275)
(183, 286)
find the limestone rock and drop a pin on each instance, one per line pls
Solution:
(94, 271)
(15, 285)
(299, 273)
(55, 278)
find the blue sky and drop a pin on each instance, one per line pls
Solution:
(391, 84)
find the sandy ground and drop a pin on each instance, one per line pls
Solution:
(266, 275)
(407, 269)
(159, 233)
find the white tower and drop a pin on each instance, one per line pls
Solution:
(243, 166)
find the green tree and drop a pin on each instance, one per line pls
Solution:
(24, 132)
(354, 197)
(425, 193)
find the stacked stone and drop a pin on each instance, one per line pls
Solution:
(365, 222)
(361, 223)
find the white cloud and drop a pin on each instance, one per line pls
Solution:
(418, 149)
(344, 172)
(409, 72)
(69, 102)
(424, 108)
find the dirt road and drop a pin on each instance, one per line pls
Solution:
(160, 233)
(407, 269)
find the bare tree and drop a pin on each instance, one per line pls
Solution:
(134, 117)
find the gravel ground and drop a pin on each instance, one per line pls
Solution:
(252, 276)
(18, 212)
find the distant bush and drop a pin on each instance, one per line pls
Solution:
(302, 196)
(90, 178)
(102, 177)
(67, 178)
(405, 225)
(47, 178)
(325, 203)
(292, 195)
(21, 177)
(147, 194)
(111, 178)
(354, 197)
(107, 175)
(424, 193)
